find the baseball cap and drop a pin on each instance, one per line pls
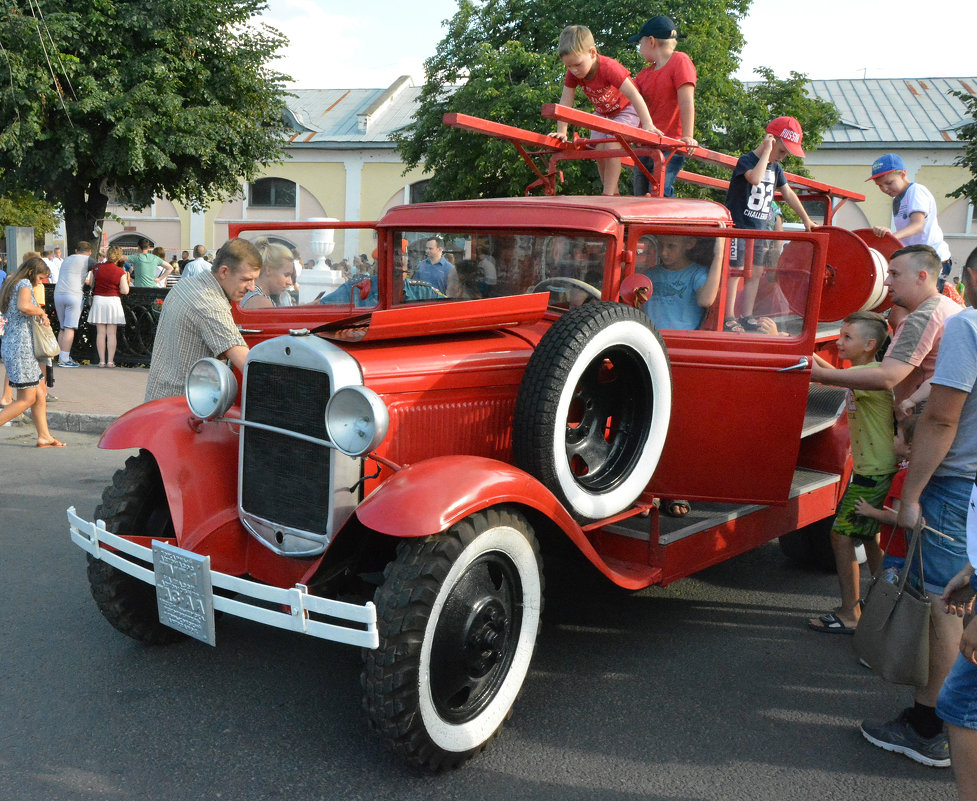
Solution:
(884, 164)
(788, 130)
(660, 27)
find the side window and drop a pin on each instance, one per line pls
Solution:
(468, 266)
(762, 292)
(768, 287)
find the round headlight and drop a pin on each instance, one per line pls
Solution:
(356, 420)
(210, 388)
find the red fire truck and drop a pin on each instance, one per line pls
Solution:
(393, 461)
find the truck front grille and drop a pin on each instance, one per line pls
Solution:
(285, 480)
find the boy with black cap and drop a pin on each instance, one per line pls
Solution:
(913, 210)
(756, 178)
(667, 85)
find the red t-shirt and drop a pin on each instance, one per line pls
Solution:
(659, 88)
(604, 88)
(107, 279)
(892, 544)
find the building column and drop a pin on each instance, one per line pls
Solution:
(197, 229)
(354, 193)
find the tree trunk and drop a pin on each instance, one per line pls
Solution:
(84, 212)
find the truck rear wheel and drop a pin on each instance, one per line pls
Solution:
(811, 546)
(593, 408)
(134, 503)
(458, 614)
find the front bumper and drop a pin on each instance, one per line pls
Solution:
(314, 615)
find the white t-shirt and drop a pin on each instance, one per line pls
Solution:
(71, 280)
(918, 198)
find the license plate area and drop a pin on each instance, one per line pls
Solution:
(184, 592)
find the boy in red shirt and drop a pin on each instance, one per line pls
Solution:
(667, 86)
(607, 83)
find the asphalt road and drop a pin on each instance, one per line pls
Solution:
(710, 688)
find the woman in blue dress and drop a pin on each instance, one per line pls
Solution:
(18, 305)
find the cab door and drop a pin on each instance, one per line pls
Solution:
(739, 396)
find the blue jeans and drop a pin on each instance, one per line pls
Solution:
(944, 504)
(957, 703)
(640, 183)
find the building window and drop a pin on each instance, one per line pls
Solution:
(275, 192)
(418, 190)
(972, 218)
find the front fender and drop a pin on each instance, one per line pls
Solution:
(431, 496)
(197, 461)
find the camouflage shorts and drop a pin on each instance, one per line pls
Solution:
(851, 524)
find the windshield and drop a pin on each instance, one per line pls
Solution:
(438, 266)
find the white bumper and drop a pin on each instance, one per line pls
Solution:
(301, 610)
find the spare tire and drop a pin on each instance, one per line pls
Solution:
(593, 408)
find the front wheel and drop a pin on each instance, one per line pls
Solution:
(135, 503)
(458, 614)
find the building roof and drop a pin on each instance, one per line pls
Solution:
(896, 111)
(355, 117)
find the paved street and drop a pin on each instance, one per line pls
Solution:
(710, 688)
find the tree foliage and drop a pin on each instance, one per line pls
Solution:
(498, 60)
(25, 210)
(146, 97)
(968, 138)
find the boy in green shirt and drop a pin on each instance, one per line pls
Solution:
(870, 420)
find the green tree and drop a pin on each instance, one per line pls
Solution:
(23, 209)
(498, 60)
(967, 135)
(141, 97)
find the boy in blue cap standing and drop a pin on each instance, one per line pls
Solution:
(913, 210)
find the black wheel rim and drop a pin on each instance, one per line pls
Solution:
(476, 638)
(609, 419)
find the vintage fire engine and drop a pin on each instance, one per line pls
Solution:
(394, 460)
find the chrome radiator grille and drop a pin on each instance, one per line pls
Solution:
(285, 480)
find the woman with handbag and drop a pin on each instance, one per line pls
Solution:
(109, 282)
(23, 313)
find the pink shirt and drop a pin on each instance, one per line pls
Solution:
(659, 88)
(917, 342)
(604, 88)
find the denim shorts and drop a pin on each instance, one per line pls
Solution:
(944, 503)
(957, 703)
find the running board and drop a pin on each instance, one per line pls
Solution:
(705, 516)
(824, 406)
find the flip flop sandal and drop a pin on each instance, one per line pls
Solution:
(53, 444)
(733, 325)
(750, 323)
(830, 624)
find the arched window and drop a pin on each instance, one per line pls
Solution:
(274, 192)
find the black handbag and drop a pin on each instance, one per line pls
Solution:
(893, 632)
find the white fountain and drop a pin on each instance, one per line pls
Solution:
(320, 277)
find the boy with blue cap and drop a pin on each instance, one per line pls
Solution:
(913, 210)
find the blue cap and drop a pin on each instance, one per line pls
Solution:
(885, 164)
